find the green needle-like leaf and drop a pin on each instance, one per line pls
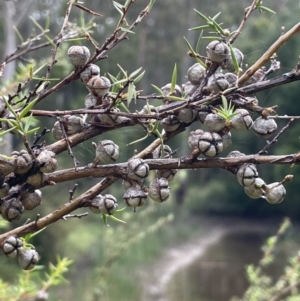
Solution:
(118, 7)
(201, 15)
(199, 27)
(174, 79)
(266, 9)
(151, 5)
(127, 30)
(104, 217)
(199, 41)
(130, 94)
(138, 78)
(234, 60)
(216, 16)
(157, 89)
(26, 110)
(116, 219)
(136, 72)
(189, 46)
(10, 108)
(123, 71)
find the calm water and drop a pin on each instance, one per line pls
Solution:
(220, 273)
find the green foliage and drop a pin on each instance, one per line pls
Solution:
(262, 285)
(29, 283)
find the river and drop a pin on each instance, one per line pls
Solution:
(210, 267)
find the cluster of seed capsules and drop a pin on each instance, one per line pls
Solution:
(13, 247)
(136, 192)
(209, 142)
(106, 150)
(13, 203)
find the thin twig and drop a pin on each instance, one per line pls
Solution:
(266, 56)
(65, 217)
(62, 126)
(71, 192)
(275, 139)
(246, 16)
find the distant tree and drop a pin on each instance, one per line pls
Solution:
(219, 96)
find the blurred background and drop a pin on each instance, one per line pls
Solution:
(132, 261)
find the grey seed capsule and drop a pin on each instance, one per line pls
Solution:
(23, 161)
(135, 197)
(46, 160)
(110, 119)
(91, 71)
(12, 246)
(189, 89)
(228, 62)
(217, 82)
(90, 101)
(217, 51)
(106, 151)
(247, 174)
(159, 190)
(196, 73)
(187, 115)
(264, 127)
(274, 193)
(242, 121)
(170, 123)
(167, 91)
(168, 174)
(99, 86)
(30, 200)
(255, 191)
(28, 259)
(193, 138)
(210, 144)
(164, 152)
(137, 169)
(214, 122)
(78, 55)
(106, 204)
(11, 210)
(36, 179)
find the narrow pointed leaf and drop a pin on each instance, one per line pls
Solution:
(136, 72)
(199, 27)
(174, 79)
(104, 219)
(266, 9)
(10, 108)
(189, 46)
(123, 71)
(130, 93)
(224, 102)
(218, 27)
(28, 123)
(118, 7)
(127, 30)
(234, 60)
(117, 219)
(2, 133)
(199, 41)
(32, 131)
(175, 98)
(216, 16)
(127, 3)
(26, 110)
(158, 90)
(201, 15)
(138, 78)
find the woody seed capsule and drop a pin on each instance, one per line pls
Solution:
(137, 169)
(78, 55)
(12, 246)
